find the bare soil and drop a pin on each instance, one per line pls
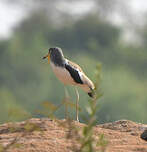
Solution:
(45, 135)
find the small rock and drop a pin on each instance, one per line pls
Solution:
(144, 135)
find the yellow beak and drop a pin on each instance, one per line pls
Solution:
(47, 56)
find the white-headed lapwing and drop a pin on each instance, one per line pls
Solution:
(69, 73)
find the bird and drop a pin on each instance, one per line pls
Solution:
(69, 73)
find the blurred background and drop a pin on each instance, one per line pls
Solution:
(112, 33)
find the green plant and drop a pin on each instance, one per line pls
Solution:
(1, 148)
(87, 139)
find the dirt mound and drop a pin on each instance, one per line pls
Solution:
(45, 135)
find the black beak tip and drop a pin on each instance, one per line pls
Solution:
(43, 57)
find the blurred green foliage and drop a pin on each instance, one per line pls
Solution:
(26, 81)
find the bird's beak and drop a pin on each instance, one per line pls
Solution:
(47, 56)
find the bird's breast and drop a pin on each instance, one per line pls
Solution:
(62, 74)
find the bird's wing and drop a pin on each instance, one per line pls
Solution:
(78, 75)
(75, 71)
(83, 76)
(87, 81)
(74, 65)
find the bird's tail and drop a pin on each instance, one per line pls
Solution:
(88, 86)
(91, 93)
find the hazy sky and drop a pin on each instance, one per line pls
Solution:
(10, 15)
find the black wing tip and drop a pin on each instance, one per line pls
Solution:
(91, 94)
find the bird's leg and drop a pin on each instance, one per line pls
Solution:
(77, 104)
(65, 102)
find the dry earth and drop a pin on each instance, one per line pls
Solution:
(45, 135)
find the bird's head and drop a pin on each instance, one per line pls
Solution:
(54, 53)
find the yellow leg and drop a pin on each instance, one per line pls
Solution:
(65, 102)
(77, 104)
